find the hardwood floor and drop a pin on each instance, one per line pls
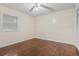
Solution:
(39, 47)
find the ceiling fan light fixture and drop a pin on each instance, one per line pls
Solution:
(38, 4)
(36, 8)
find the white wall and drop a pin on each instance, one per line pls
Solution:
(25, 27)
(61, 30)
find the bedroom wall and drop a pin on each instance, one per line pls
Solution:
(57, 26)
(25, 27)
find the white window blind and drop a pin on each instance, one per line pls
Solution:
(9, 23)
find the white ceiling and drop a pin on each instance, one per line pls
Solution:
(25, 7)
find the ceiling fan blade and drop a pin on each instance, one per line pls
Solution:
(49, 8)
(32, 8)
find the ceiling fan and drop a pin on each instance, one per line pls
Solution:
(37, 5)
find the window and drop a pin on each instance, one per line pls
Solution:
(9, 23)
